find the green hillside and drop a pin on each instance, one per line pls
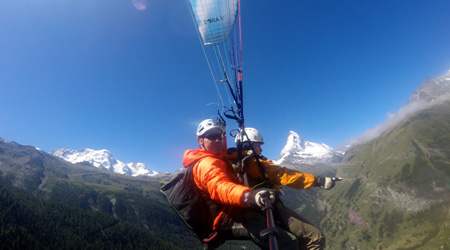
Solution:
(48, 203)
(396, 189)
(31, 223)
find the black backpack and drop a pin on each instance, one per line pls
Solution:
(191, 204)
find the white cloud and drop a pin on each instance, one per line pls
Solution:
(391, 121)
(394, 119)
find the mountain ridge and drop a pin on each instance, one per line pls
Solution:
(301, 151)
(432, 89)
(103, 159)
(295, 152)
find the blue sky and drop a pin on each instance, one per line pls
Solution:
(104, 74)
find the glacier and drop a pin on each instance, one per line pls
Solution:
(103, 159)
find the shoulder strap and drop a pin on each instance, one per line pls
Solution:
(243, 175)
(213, 207)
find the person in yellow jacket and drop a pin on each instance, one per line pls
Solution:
(262, 172)
(240, 214)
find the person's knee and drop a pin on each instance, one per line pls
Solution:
(286, 240)
(317, 241)
(318, 236)
(322, 239)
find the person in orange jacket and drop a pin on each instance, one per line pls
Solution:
(240, 216)
(261, 172)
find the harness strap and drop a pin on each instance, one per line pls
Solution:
(243, 175)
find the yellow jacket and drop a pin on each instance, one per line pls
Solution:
(277, 175)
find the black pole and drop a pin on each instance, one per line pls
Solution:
(270, 231)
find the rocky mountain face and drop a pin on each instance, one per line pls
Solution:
(432, 89)
(308, 157)
(300, 151)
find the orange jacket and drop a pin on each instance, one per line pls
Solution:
(216, 177)
(277, 175)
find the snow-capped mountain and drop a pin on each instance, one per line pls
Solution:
(298, 151)
(103, 159)
(432, 89)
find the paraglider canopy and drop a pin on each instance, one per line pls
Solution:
(215, 19)
(218, 26)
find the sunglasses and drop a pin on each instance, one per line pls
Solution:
(214, 137)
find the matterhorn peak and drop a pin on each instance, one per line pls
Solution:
(294, 144)
(297, 150)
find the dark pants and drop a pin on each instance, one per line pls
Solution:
(309, 237)
(293, 231)
(246, 224)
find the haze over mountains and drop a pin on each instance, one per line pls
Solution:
(433, 92)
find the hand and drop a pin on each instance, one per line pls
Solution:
(327, 182)
(255, 198)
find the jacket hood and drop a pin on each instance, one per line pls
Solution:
(191, 156)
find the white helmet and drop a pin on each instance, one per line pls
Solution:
(209, 124)
(252, 134)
